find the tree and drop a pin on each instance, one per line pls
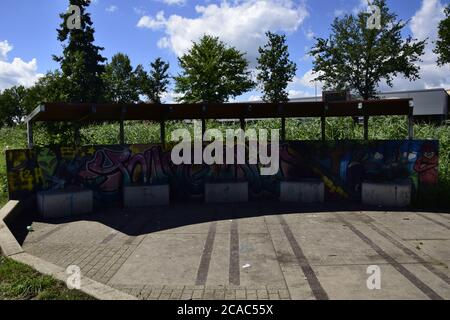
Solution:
(12, 109)
(212, 72)
(358, 58)
(120, 81)
(443, 43)
(158, 80)
(81, 62)
(275, 68)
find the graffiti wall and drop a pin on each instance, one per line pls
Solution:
(343, 166)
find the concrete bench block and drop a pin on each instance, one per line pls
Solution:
(307, 191)
(57, 204)
(226, 192)
(146, 196)
(387, 194)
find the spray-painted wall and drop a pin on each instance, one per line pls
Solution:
(106, 169)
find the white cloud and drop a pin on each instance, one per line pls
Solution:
(339, 12)
(112, 8)
(241, 24)
(424, 24)
(309, 34)
(174, 2)
(155, 23)
(5, 47)
(17, 72)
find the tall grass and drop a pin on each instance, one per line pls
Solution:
(380, 128)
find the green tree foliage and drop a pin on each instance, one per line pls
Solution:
(81, 62)
(120, 81)
(443, 43)
(17, 102)
(275, 68)
(12, 108)
(212, 72)
(158, 80)
(358, 58)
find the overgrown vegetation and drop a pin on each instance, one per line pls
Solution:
(20, 282)
(381, 128)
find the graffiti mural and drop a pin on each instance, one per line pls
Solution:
(342, 166)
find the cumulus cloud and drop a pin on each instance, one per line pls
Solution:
(5, 47)
(174, 2)
(17, 72)
(424, 24)
(241, 24)
(112, 8)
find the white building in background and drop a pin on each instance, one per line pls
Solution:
(428, 104)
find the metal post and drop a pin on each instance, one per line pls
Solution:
(30, 134)
(366, 127)
(411, 120)
(283, 129)
(243, 124)
(163, 133)
(122, 133)
(203, 127)
(322, 122)
(77, 135)
(121, 126)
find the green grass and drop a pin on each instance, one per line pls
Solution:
(20, 282)
(381, 128)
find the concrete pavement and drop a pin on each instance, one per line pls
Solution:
(253, 251)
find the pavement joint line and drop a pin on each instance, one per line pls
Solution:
(419, 284)
(411, 253)
(234, 267)
(49, 233)
(314, 283)
(205, 260)
(439, 223)
(275, 251)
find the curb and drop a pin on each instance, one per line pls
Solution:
(10, 248)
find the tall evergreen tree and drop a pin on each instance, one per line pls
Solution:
(81, 62)
(158, 80)
(443, 43)
(275, 68)
(358, 58)
(212, 72)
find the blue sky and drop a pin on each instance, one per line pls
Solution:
(146, 29)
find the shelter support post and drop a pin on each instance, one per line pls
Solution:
(242, 124)
(122, 133)
(411, 121)
(121, 126)
(203, 127)
(322, 125)
(163, 133)
(283, 129)
(366, 128)
(30, 134)
(76, 130)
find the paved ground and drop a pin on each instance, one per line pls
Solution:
(253, 251)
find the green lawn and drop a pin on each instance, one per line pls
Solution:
(20, 282)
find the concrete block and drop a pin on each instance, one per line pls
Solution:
(146, 196)
(306, 191)
(387, 194)
(231, 192)
(57, 204)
